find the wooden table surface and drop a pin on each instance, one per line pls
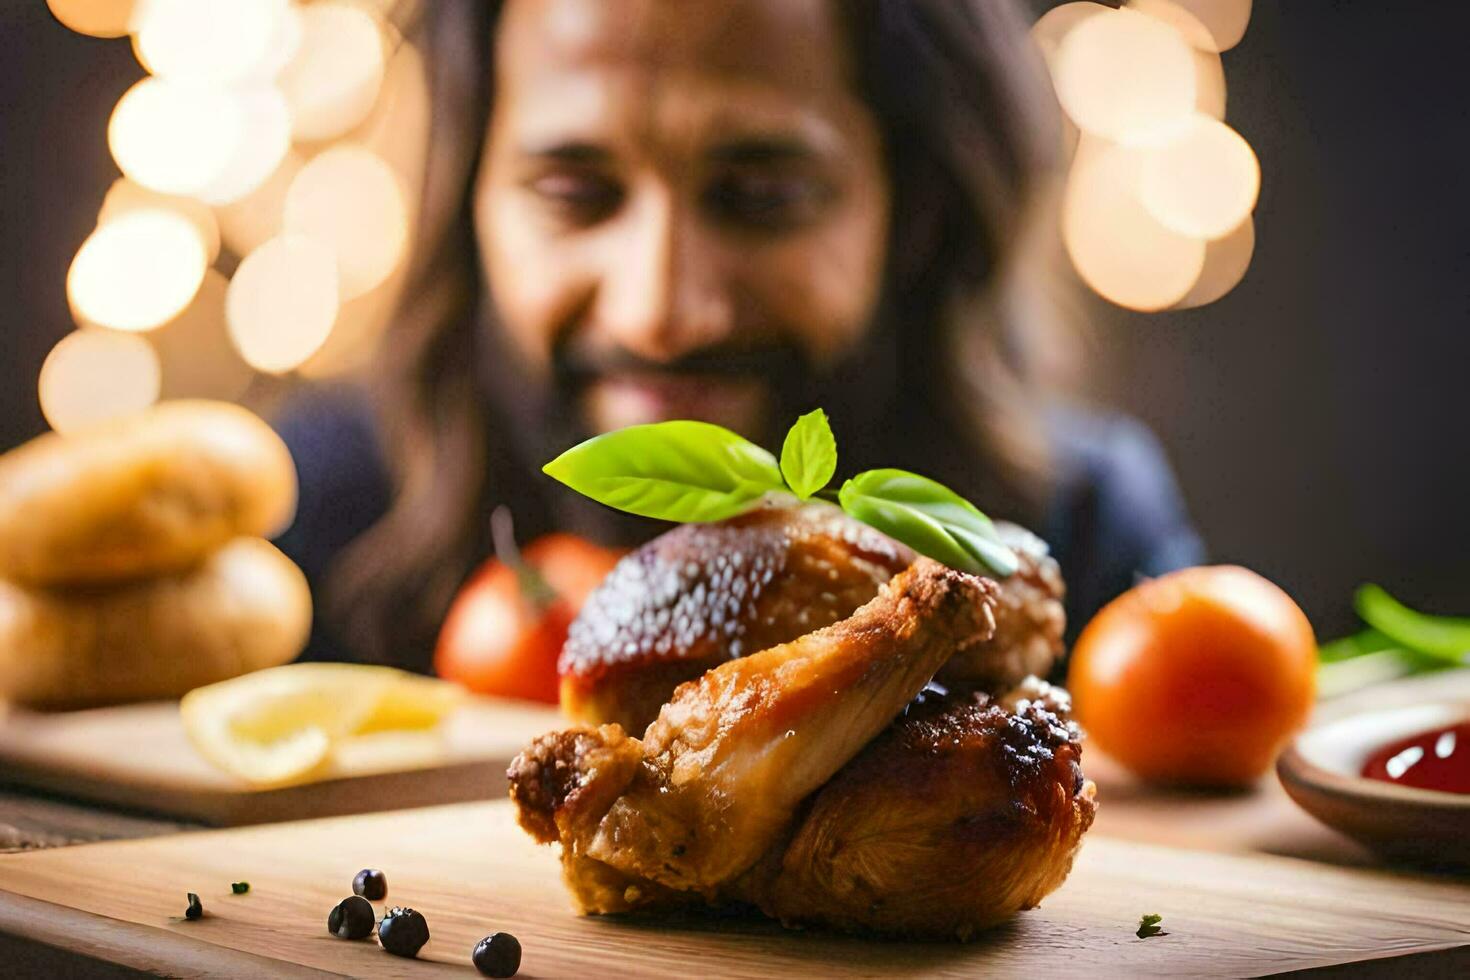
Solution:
(1134, 820)
(470, 870)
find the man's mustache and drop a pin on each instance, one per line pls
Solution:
(578, 364)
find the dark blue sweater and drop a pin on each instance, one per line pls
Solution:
(1115, 514)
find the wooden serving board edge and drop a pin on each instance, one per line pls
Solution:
(464, 782)
(39, 938)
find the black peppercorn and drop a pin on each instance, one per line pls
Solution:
(351, 918)
(195, 910)
(498, 955)
(403, 932)
(371, 884)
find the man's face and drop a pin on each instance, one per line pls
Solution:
(682, 207)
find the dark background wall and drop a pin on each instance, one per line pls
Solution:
(1317, 415)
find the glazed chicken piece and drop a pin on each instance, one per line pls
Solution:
(702, 594)
(718, 777)
(965, 811)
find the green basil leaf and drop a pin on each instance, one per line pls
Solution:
(1443, 637)
(809, 455)
(674, 471)
(928, 517)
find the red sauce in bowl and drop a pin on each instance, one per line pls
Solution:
(1437, 759)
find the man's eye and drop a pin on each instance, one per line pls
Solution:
(579, 197)
(766, 201)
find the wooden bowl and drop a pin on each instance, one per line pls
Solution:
(1320, 771)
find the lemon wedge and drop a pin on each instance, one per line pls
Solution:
(281, 726)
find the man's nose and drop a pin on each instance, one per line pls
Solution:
(663, 292)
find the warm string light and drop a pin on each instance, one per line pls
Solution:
(136, 271)
(1116, 245)
(95, 18)
(276, 132)
(349, 199)
(1157, 212)
(124, 196)
(93, 375)
(398, 132)
(333, 81)
(282, 302)
(209, 42)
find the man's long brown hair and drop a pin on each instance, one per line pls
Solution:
(970, 135)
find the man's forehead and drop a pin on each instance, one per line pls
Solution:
(581, 111)
(785, 44)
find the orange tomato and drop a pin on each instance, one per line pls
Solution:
(497, 640)
(1196, 677)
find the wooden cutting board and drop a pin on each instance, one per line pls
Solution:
(137, 756)
(471, 871)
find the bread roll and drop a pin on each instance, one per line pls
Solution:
(148, 494)
(246, 607)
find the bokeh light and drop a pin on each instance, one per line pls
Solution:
(282, 47)
(350, 200)
(1116, 245)
(361, 323)
(94, 375)
(138, 54)
(137, 271)
(282, 302)
(207, 41)
(266, 138)
(1053, 26)
(1209, 84)
(1190, 29)
(1048, 32)
(398, 127)
(332, 82)
(1126, 77)
(1224, 21)
(175, 139)
(398, 131)
(194, 351)
(1203, 184)
(98, 18)
(124, 197)
(251, 221)
(1157, 208)
(1226, 262)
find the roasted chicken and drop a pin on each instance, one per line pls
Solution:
(964, 811)
(822, 778)
(718, 776)
(705, 593)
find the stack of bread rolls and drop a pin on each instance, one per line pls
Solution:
(133, 563)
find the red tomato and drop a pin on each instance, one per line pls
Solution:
(496, 640)
(1196, 677)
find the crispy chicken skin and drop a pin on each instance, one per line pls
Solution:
(963, 812)
(703, 594)
(719, 776)
(1029, 622)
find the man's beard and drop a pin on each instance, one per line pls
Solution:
(541, 417)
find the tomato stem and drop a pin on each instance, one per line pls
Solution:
(533, 585)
